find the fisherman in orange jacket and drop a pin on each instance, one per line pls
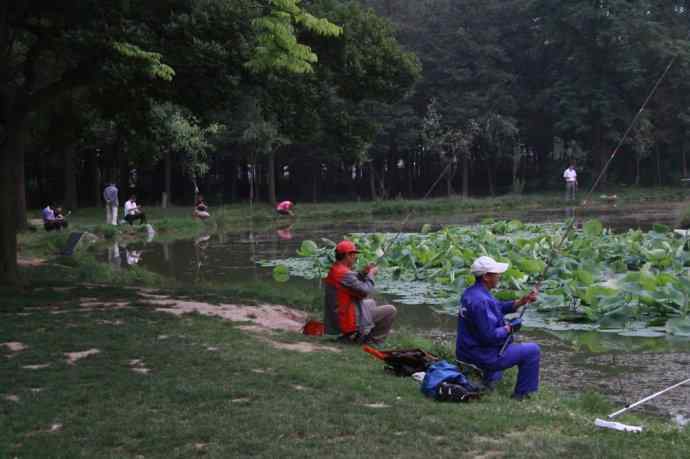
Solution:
(348, 310)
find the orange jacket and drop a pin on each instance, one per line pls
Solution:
(345, 290)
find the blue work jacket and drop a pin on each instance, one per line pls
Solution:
(481, 327)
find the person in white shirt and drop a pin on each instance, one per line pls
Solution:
(133, 211)
(570, 177)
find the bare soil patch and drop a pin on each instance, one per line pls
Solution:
(273, 317)
(30, 261)
(72, 357)
(39, 366)
(14, 346)
(137, 366)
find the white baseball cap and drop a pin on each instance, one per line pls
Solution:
(483, 265)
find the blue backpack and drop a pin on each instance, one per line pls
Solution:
(444, 381)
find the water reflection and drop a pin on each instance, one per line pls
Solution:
(121, 256)
(285, 232)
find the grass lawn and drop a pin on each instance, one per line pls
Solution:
(213, 389)
(216, 390)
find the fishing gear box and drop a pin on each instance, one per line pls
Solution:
(403, 362)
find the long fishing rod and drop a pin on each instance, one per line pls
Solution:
(383, 251)
(571, 224)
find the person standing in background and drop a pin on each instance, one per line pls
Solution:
(111, 203)
(570, 177)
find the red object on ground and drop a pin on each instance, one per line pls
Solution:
(314, 328)
(375, 352)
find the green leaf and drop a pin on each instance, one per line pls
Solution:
(660, 228)
(584, 276)
(308, 248)
(531, 266)
(678, 326)
(593, 228)
(281, 273)
(426, 228)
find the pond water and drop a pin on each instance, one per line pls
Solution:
(624, 367)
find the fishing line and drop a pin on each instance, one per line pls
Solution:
(571, 224)
(409, 214)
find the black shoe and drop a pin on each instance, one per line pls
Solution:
(520, 397)
(449, 392)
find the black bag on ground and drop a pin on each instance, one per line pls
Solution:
(405, 362)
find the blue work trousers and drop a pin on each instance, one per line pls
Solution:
(526, 357)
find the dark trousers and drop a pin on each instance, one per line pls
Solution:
(131, 217)
(55, 225)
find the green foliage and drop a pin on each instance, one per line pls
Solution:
(152, 61)
(277, 47)
(586, 280)
(281, 273)
(178, 131)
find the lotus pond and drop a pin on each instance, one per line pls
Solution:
(634, 283)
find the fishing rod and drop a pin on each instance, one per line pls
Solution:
(627, 428)
(381, 252)
(571, 224)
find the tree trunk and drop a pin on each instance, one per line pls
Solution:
(20, 183)
(599, 152)
(8, 209)
(637, 169)
(465, 176)
(516, 168)
(685, 164)
(70, 199)
(271, 178)
(95, 173)
(450, 175)
(165, 200)
(372, 181)
(490, 177)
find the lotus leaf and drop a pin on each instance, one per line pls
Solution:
(593, 228)
(308, 249)
(281, 273)
(678, 326)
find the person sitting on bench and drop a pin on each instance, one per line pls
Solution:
(51, 221)
(200, 208)
(133, 211)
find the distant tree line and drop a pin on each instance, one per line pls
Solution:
(330, 99)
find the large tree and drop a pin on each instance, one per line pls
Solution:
(50, 48)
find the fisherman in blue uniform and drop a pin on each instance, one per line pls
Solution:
(482, 330)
